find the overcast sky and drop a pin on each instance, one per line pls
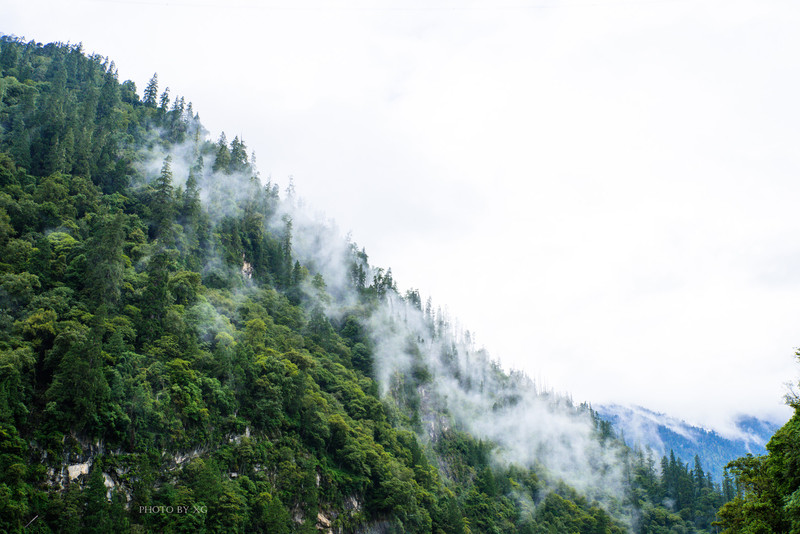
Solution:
(606, 192)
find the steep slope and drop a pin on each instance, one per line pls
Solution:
(184, 350)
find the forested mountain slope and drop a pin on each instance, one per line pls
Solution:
(663, 434)
(184, 350)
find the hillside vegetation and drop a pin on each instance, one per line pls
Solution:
(182, 349)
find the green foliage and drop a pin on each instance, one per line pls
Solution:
(79, 392)
(181, 349)
(767, 487)
(105, 261)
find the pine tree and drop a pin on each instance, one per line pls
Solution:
(97, 517)
(698, 475)
(178, 107)
(105, 266)
(238, 156)
(223, 156)
(163, 102)
(728, 487)
(286, 252)
(79, 392)
(151, 92)
(157, 297)
(109, 98)
(164, 201)
(190, 208)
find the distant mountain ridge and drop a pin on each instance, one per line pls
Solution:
(661, 433)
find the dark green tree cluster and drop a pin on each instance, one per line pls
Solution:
(689, 498)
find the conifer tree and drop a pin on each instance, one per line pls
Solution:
(105, 266)
(164, 200)
(698, 475)
(97, 518)
(163, 102)
(157, 297)
(238, 156)
(223, 156)
(79, 391)
(109, 98)
(728, 487)
(178, 107)
(190, 208)
(151, 92)
(286, 251)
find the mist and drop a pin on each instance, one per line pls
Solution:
(424, 361)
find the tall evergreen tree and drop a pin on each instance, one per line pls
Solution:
(286, 251)
(728, 486)
(223, 156)
(164, 201)
(163, 102)
(151, 92)
(157, 297)
(97, 517)
(105, 265)
(190, 202)
(238, 156)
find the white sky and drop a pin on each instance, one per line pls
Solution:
(605, 191)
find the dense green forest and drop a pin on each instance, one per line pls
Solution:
(182, 350)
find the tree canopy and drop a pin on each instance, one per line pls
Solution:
(168, 362)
